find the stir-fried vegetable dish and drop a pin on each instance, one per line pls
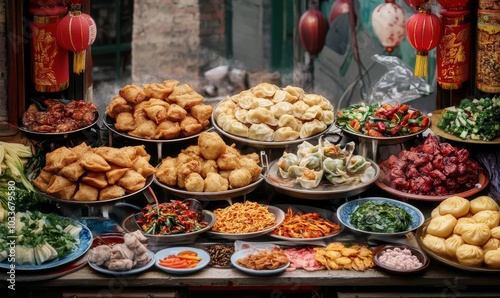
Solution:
(477, 119)
(173, 218)
(382, 119)
(380, 218)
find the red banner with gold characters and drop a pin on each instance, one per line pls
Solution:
(50, 65)
(488, 47)
(453, 50)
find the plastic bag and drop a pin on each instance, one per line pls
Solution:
(399, 84)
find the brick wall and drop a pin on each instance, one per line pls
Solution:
(3, 62)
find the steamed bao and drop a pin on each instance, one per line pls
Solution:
(466, 230)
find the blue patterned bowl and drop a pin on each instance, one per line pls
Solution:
(345, 210)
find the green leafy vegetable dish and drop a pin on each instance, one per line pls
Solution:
(381, 218)
(477, 119)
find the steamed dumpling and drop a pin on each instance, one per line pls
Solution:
(241, 115)
(261, 115)
(261, 132)
(314, 112)
(434, 243)
(452, 243)
(489, 217)
(476, 233)
(460, 223)
(442, 226)
(470, 255)
(495, 232)
(281, 108)
(286, 134)
(455, 205)
(327, 117)
(492, 258)
(236, 128)
(311, 128)
(285, 162)
(312, 99)
(483, 203)
(289, 121)
(435, 212)
(491, 244)
(299, 108)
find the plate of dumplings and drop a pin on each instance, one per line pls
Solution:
(267, 116)
(158, 112)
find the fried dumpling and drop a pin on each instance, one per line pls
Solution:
(194, 182)
(261, 132)
(202, 113)
(185, 96)
(132, 181)
(59, 158)
(86, 192)
(118, 105)
(190, 126)
(285, 134)
(111, 192)
(167, 130)
(133, 94)
(167, 171)
(170, 85)
(42, 180)
(95, 179)
(142, 166)
(250, 164)
(94, 162)
(211, 145)
(176, 113)
(114, 155)
(58, 183)
(145, 130)
(115, 174)
(72, 171)
(239, 178)
(214, 182)
(134, 151)
(80, 149)
(125, 122)
(156, 113)
(157, 90)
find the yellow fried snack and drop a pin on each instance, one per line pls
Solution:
(133, 94)
(337, 256)
(211, 145)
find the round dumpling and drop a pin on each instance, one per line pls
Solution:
(483, 203)
(286, 134)
(455, 205)
(476, 233)
(452, 243)
(435, 212)
(470, 255)
(492, 258)
(434, 243)
(442, 225)
(489, 217)
(261, 132)
(460, 222)
(495, 232)
(491, 244)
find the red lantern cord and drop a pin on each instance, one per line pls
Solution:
(423, 30)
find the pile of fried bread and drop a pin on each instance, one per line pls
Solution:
(164, 110)
(82, 173)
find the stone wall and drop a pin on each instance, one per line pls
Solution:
(3, 62)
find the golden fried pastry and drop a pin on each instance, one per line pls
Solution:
(190, 126)
(157, 113)
(157, 90)
(176, 113)
(202, 113)
(118, 105)
(192, 150)
(134, 151)
(133, 94)
(167, 171)
(183, 170)
(254, 156)
(59, 158)
(95, 179)
(228, 161)
(225, 173)
(80, 149)
(141, 165)
(57, 183)
(125, 122)
(115, 156)
(183, 158)
(111, 192)
(170, 85)
(72, 171)
(239, 178)
(132, 181)
(167, 130)
(67, 192)
(115, 174)
(86, 192)
(250, 164)
(94, 162)
(194, 182)
(211, 145)
(139, 108)
(42, 180)
(185, 96)
(209, 166)
(215, 182)
(145, 130)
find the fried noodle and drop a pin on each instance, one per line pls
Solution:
(242, 218)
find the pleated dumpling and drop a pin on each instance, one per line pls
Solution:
(286, 134)
(281, 108)
(245, 100)
(285, 162)
(435, 243)
(299, 108)
(492, 258)
(489, 217)
(241, 115)
(310, 178)
(262, 102)
(470, 255)
(327, 117)
(311, 128)
(226, 106)
(294, 93)
(312, 99)
(491, 244)
(265, 90)
(357, 164)
(452, 243)
(483, 203)
(325, 104)
(442, 226)
(455, 205)
(476, 233)
(236, 128)
(261, 132)
(261, 115)
(314, 112)
(460, 224)
(289, 121)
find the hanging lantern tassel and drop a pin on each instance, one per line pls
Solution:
(423, 30)
(76, 32)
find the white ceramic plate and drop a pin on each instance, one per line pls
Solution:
(126, 272)
(243, 253)
(205, 259)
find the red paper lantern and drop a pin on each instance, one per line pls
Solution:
(339, 7)
(423, 31)
(312, 30)
(49, 60)
(389, 23)
(76, 32)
